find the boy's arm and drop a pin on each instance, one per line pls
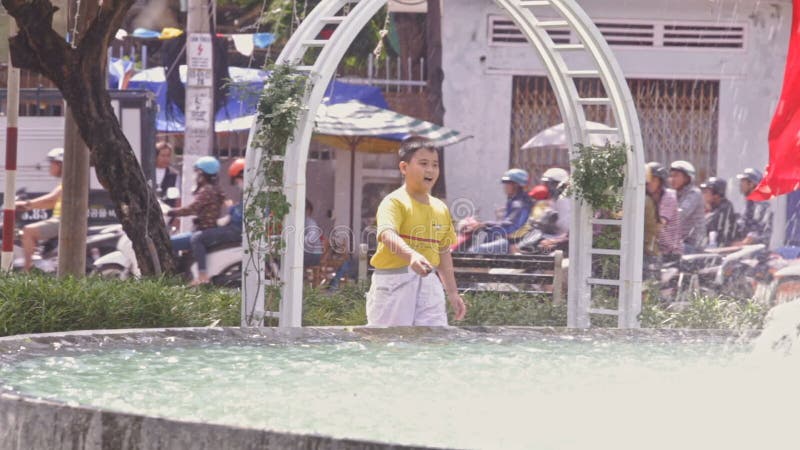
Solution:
(449, 280)
(399, 247)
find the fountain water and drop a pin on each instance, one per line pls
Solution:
(379, 388)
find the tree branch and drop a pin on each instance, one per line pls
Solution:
(37, 46)
(95, 41)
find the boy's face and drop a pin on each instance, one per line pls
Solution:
(422, 171)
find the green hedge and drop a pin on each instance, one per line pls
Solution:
(38, 304)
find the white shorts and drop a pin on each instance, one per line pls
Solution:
(400, 297)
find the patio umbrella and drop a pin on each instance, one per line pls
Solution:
(358, 127)
(556, 136)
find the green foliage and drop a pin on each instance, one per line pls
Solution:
(705, 312)
(282, 17)
(279, 108)
(510, 308)
(599, 174)
(39, 304)
(347, 306)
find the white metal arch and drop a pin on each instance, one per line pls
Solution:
(534, 18)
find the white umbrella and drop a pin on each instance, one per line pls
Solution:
(556, 136)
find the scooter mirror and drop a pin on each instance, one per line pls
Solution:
(173, 193)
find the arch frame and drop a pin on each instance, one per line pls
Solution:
(533, 17)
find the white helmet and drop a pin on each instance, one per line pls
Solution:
(555, 174)
(683, 166)
(56, 154)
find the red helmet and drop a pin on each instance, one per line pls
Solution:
(539, 192)
(237, 168)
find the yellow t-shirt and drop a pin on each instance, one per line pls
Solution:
(428, 229)
(57, 207)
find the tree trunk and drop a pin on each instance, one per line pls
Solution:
(433, 33)
(79, 73)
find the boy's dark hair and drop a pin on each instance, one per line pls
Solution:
(411, 144)
(309, 206)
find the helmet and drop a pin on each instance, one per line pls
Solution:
(657, 170)
(683, 166)
(516, 176)
(56, 154)
(208, 165)
(555, 175)
(715, 185)
(539, 192)
(237, 168)
(751, 174)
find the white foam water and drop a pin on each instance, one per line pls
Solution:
(557, 393)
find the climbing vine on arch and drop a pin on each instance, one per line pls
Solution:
(279, 110)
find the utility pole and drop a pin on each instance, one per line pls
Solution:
(199, 134)
(75, 174)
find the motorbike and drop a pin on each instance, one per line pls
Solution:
(223, 261)
(729, 271)
(100, 240)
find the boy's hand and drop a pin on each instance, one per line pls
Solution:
(420, 264)
(458, 305)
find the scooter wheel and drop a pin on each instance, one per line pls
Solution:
(112, 271)
(231, 277)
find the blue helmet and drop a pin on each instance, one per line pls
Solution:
(208, 165)
(516, 176)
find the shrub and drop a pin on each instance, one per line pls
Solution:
(39, 304)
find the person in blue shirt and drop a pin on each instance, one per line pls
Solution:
(228, 232)
(512, 228)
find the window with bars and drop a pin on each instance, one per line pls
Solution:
(678, 118)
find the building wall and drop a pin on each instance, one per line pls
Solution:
(478, 82)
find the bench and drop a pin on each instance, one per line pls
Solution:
(533, 274)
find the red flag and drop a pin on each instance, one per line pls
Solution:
(783, 172)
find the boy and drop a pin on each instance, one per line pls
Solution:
(415, 232)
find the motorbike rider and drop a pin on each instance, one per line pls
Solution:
(720, 219)
(229, 229)
(755, 225)
(556, 179)
(46, 229)
(514, 225)
(670, 245)
(690, 206)
(207, 204)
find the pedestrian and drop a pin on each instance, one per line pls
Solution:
(166, 176)
(413, 260)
